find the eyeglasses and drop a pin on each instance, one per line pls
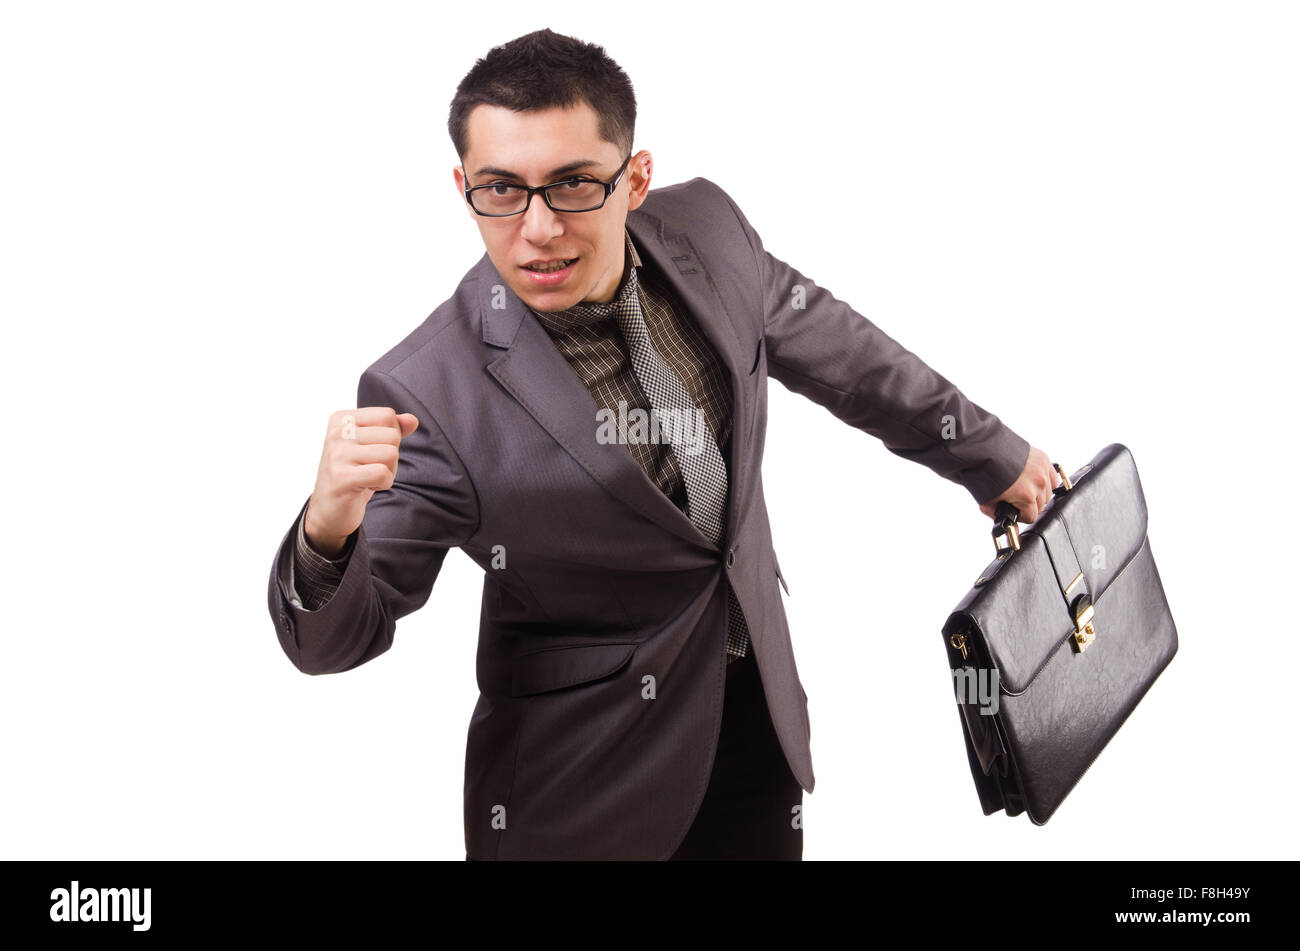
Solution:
(499, 200)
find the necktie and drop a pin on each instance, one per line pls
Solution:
(699, 459)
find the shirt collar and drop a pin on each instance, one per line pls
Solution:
(583, 315)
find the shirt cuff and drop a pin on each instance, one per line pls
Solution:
(313, 578)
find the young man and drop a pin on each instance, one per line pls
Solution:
(585, 418)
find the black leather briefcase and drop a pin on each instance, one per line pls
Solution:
(1059, 638)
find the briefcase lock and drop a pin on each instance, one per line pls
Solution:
(1084, 631)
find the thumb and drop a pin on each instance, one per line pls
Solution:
(408, 422)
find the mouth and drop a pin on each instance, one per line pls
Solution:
(549, 273)
(549, 267)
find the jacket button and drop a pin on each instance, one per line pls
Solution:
(731, 557)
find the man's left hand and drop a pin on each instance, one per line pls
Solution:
(1032, 490)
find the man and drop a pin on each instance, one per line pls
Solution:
(584, 417)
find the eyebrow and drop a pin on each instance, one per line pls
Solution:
(562, 170)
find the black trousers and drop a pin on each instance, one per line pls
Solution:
(749, 810)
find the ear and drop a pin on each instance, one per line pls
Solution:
(458, 173)
(639, 170)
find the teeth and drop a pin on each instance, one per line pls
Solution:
(555, 266)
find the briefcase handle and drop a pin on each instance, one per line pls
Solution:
(1006, 534)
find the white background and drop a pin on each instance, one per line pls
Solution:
(215, 216)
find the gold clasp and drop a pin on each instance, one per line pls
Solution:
(959, 641)
(1008, 541)
(1084, 631)
(1065, 481)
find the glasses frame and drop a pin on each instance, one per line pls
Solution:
(609, 187)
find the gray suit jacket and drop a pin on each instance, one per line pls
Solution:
(600, 651)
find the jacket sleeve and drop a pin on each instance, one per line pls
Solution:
(821, 348)
(395, 554)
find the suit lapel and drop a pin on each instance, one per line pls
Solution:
(538, 377)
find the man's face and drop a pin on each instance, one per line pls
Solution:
(537, 148)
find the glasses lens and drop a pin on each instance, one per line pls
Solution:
(499, 199)
(576, 196)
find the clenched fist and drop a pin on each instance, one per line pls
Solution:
(1031, 492)
(359, 459)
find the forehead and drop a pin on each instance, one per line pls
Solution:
(534, 142)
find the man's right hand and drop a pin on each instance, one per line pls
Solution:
(1031, 492)
(358, 460)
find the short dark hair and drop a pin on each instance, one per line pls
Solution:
(544, 70)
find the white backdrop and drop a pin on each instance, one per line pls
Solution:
(215, 216)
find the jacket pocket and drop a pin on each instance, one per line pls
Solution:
(555, 668)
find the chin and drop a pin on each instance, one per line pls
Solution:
(549, 300)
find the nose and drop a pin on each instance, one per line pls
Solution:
(541, 224)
